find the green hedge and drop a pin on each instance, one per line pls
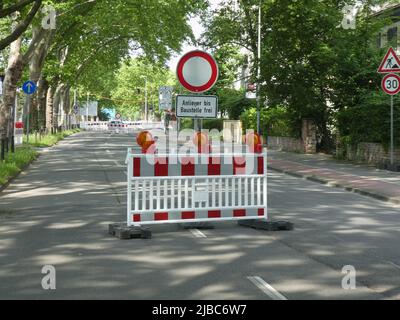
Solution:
(213, 124)
(273, 121)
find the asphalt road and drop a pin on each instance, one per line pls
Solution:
(57, 213)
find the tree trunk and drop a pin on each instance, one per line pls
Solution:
(42, 95)
(50, 109)
(56, 107)
(12, 76)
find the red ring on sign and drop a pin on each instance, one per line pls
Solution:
(214, 71)
(392, 93)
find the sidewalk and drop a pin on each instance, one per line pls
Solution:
(363, 179)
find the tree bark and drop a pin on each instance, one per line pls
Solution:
(49, 109)
(12, 76)
(56, 106)
(42, 97)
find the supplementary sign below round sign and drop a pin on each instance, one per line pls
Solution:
(391, 84)
(197, 71)
(29, 87)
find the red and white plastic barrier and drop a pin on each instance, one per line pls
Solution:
(194, 188)
(119, 127)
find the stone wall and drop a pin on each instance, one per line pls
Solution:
(307, 143)
(286, 144)
(372, 153)
(309, 136)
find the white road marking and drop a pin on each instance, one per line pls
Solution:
(266, 288)
(393, 264)
(197, 233)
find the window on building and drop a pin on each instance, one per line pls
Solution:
(392, 36)
(379, 40)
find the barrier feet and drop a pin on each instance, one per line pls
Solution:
(122, 231)
(267, 225)
(197, 225)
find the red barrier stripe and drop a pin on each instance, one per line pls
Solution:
(214, 166)
(239, 165)
(161, 216)
(214, 214)
(260, 212)
(260, 162)
(136, 167)
(239, 213)
(136, 218)
(188, 168)
(188, 215)
(161, 167)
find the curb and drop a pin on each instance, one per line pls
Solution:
(335, 184)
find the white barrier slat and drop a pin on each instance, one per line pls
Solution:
(136, 194)
(165, 195)
(151, 193)
(179, 194)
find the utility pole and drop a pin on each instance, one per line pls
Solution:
(258, 68)
(146, 110)
(87, 108)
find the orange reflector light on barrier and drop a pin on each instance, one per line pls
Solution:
(144, 137)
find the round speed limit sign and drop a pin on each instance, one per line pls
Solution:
(391, 84)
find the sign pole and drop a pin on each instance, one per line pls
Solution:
(28, 109)
(391, 132)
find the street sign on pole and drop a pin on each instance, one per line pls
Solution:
(390, 63)
(196, 106)
(391, 84)
(29, 87)
(251, 92)
(76, 109)
(165, 98)
(197, 71)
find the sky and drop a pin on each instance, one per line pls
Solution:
(197, 31)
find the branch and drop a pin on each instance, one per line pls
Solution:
(22, 26)
(16, 7)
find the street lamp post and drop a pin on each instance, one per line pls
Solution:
(258, 68)
(145, 99)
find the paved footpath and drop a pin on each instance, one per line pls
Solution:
(363, 179)
(57, 213)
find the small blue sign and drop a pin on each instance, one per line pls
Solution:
(29, 87)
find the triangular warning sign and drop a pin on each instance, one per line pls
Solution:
(391, 63)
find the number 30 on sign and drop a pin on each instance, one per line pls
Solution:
(391, 84)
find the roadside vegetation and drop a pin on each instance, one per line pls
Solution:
(49, 140)
(16, 162)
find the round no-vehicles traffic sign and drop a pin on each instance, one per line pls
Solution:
(197, 71)
(391, 84)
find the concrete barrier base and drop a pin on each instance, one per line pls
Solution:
(122, 231)
(267, 225)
